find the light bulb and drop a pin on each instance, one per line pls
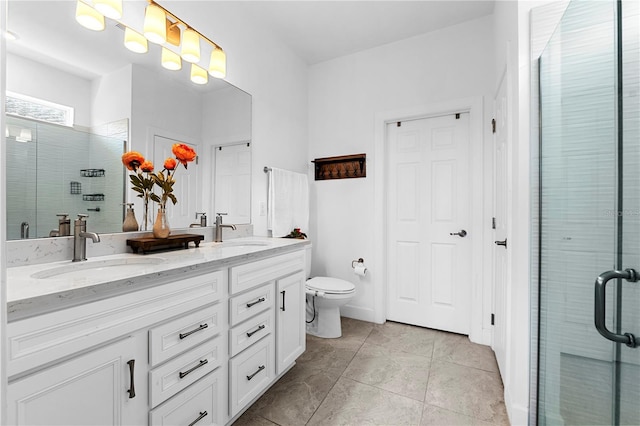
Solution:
(134, 41)
(171, 60)
(198, 74)
(155, 24)
(190, 46)
(88, 17)
(218, 63)
(109, 8)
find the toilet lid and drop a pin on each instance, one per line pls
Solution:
(330, 285)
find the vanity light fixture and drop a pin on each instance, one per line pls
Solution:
(109, 8)
(171, 60)
(88, 17)
(198, 74)
(190, 46)
(218, 63)
(155, 24)
(134, 41)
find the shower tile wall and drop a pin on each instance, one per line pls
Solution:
(40, 173)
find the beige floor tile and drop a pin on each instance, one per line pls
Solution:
(330, 355)
(465, 390)
(402, 337)
(436, 416)
(296, 396)
(249, 418)
(354, 330)
(353, 403)
(459, 349)
(395, 371)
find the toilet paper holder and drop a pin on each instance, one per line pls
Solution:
(353, 262)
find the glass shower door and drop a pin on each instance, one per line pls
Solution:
(590, 218)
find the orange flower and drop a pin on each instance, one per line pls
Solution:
(132, 160)
(147, 166)
(184, 153)
(170, 164)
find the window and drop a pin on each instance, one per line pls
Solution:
(38, 109)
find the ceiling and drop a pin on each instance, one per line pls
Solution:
(325, 29)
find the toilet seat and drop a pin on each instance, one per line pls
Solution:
(330, 285)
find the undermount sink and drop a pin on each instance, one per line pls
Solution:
(118, 266)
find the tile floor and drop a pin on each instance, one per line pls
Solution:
(390, 374)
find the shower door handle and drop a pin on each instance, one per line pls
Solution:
(600, 303)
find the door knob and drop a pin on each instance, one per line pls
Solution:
(461, 234)
(501, 243)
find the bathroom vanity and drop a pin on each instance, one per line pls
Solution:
(187, 337)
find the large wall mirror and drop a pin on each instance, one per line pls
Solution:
(119, 100)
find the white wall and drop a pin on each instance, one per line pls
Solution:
(41, 81)
(277, 80)
(345, 95)
(111, 97)
(226, 116)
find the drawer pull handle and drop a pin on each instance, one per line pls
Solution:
(203, 414)
(283, 298)
(251, 333)
(262, 299)
(184, 373)
(132, 388)
(262, 367)
(189, 333)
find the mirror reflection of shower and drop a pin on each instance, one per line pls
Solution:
(53, 170)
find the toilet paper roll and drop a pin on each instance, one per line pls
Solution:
(360, 269)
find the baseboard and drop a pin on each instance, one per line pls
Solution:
(357, 312)
(518, 413)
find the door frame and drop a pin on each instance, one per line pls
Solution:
(479, 328)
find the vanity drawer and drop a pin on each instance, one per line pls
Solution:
(183, 333)
(170, 378)
(246, 276)
(201, 401)
(250, 373)
(244, 335)
(248, 304)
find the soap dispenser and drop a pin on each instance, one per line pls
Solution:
(130, 223)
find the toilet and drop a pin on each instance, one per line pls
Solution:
(325, 296)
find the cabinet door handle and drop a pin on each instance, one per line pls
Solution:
(262, 299)
(282, 292)
(132, 388)
(262, 367)
(251, 333)
(203, 414)
(189, 333)
(184, 373)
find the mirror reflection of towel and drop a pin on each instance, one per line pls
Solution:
(288, 202)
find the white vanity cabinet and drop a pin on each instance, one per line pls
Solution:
(102, 387)
(193, 346)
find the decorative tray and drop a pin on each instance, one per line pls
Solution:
(147, 244)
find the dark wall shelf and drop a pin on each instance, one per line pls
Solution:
(342, 167)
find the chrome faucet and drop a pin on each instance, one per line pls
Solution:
(219, 226)
(203, 221)
(64, 226)
(80, 236)
(24, 230)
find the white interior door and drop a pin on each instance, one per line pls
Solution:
(500, 226)
(186, 188)
(428, 202)
(232, 182)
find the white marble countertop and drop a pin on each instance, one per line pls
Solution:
(37, 289)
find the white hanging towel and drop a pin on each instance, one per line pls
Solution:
(288, 202)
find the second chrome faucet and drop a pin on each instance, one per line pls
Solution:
(219, 226)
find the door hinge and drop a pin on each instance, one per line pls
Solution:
(493, 125)
(493, 223)
(197, 158)
(493, 319)
(458, 116)
(399, 123)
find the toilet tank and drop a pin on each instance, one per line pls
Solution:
(307, 259)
